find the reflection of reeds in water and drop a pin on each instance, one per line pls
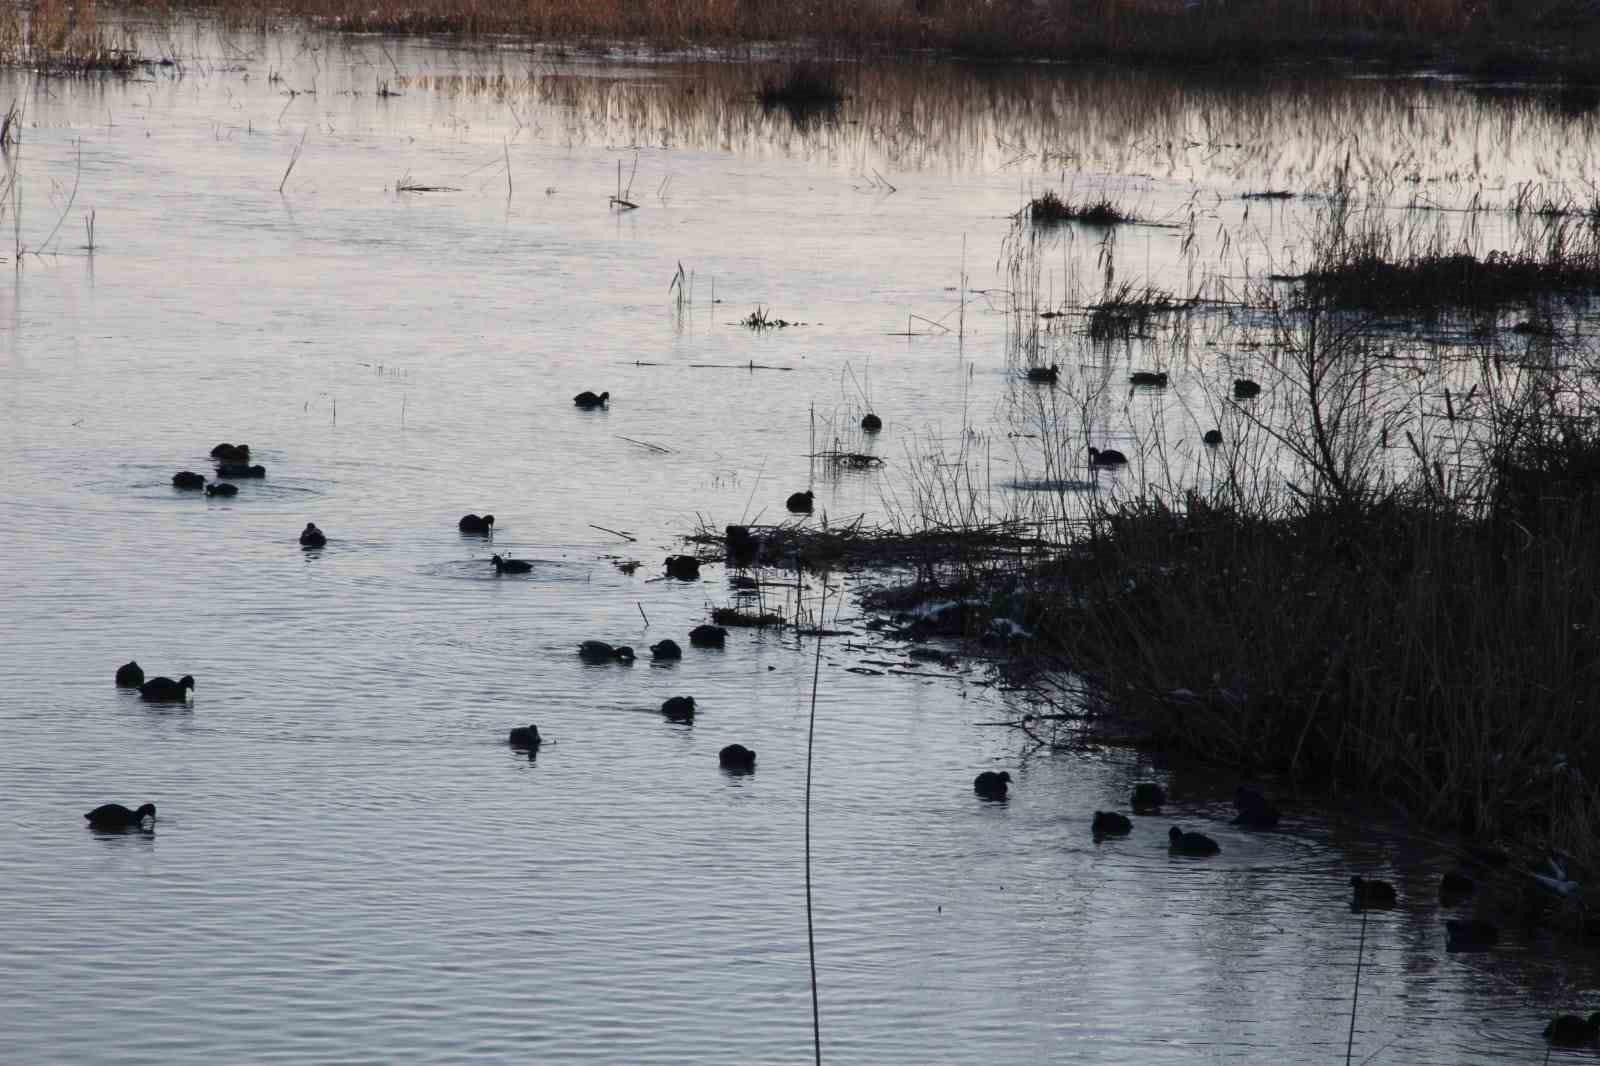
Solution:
(809, 91)
(908, 116)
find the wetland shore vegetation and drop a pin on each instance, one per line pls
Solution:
(1385, 581)
(1495, 39)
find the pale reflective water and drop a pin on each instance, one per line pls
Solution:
(350, 865)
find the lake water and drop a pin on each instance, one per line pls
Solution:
(350, 865)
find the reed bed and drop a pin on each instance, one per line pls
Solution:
(59, 38)
(1129, 309)
(1382, 581)
(1496, 38)
(1366, 258)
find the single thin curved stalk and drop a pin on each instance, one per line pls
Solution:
(811, 733)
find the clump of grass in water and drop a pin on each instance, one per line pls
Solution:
(1128, 310)
(1049, 209)
(733, 616)
(762, 318)
(846, 460)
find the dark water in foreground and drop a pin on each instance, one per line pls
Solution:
(350, 865)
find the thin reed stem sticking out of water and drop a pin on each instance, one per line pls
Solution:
(1361, 950)
(961, 295)
(77, 175)
(813, 453)
(811, 733)
(294, 157)
(620, 201)
(11, 128)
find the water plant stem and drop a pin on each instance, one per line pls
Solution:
(811, 933)
(1361, 950)
(294, 157)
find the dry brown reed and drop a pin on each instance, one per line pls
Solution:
(58, 37)
(1494, 36)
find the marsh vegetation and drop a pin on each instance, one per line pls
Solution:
(1376, 576)
(1496, 39)
(1344, 356)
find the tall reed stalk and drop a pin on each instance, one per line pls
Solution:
(811, 736)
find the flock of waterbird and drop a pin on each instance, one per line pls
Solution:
(1255, 811)
(1243, 389)
(233, 463)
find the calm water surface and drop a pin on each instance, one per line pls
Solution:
(350, 865)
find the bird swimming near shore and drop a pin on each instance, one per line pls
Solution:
(238, 470)
(1255, 812)
(589, 401)
(188, 479)
(312, 537)
(737, 759)
(1044, 375)
(1569, 1030)
(1155, 378)
(666, 649)
(708, 636)
(1148, 797)
(112, 817)
(1245, 389)
(678, 708)
(222, 488)
(801, 502)
(1197, 844)
(526, 737)
(166, 690)
(598, 651)
(130, 675)
(683, 567)
(990, 785)
(1365, 894)
(233, 453)
(1111, 824)
(871, 423)
(1470, 934)
(1106, 457)
(1213, 437)
(502, 565)
(471, 523)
